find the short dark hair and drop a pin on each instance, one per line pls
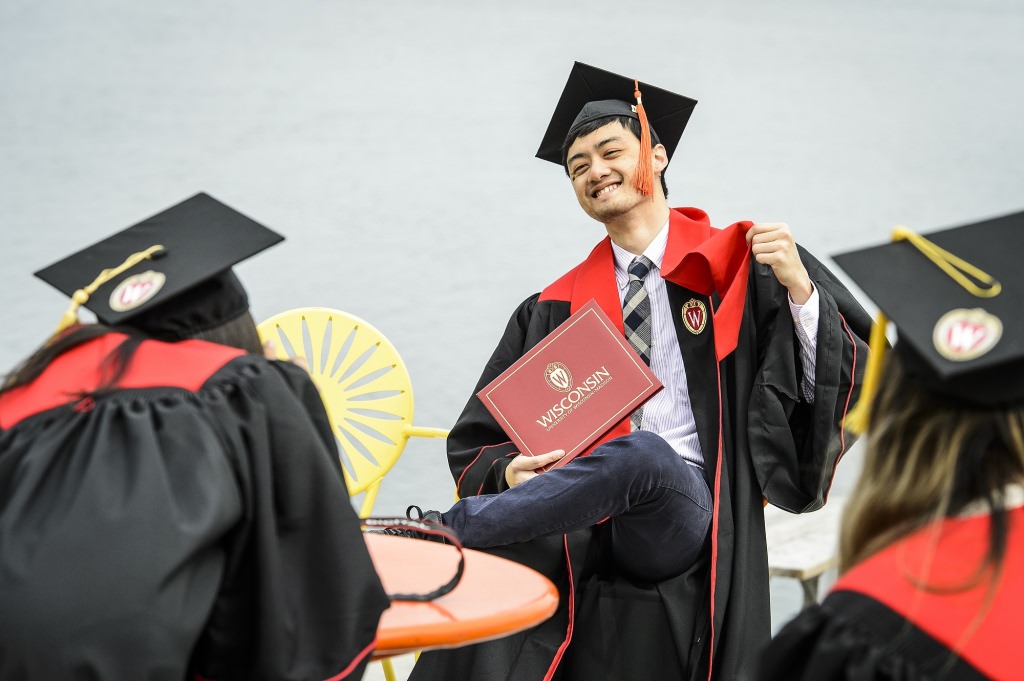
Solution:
(628, 122)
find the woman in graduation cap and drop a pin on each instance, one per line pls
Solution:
(932, 542)
(174, 508)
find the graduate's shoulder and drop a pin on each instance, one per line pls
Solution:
(84, 370)
(537, 311)
(185, 364)
(559, 290)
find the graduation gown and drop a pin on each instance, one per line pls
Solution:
(759, 440)
(877, 625)
(191, 523)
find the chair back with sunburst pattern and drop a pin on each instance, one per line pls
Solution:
(364, 385)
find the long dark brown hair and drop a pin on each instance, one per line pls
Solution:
(927, 458)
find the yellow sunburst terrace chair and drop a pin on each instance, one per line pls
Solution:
(365, 387)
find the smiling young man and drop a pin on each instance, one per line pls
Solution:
(656, 537)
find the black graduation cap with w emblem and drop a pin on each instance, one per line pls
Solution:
(955, 297)
(175, 275)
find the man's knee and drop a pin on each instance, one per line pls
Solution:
(654, 447)
(641, 450)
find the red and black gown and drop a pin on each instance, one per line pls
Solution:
(879, 624)
(759, 440)
(192, 523)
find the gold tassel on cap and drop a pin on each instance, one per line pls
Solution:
(81, 296)
(643, 178)
(956, 268)
(959, 270)
(857, 418)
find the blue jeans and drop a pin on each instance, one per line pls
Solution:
(659, 506)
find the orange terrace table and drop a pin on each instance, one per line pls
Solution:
(496, 597)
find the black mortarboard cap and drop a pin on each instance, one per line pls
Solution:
(177, 291)
(957, 308)
(591, 93)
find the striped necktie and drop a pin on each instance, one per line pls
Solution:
(636, 319)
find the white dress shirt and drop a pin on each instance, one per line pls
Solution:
(669, 413)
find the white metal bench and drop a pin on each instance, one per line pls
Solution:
(804, 546)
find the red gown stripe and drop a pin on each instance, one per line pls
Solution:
(714, 533)
(186, 364)
(458, 483)
(947, 556)
(347, 671)
(553, 667)
(846, 404)
(698, 257)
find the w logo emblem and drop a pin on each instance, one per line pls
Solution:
(695, 316)
(558, 377)
(962, 335)
(136, 290)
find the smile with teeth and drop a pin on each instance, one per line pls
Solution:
(606, 190)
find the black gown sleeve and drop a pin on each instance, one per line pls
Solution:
(479, 451)
(796, 446)
(813, 647)
(299, 597)
(852, 637)
(300, 384)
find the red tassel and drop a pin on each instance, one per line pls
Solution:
(643, 178)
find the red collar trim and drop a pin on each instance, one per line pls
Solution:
(698, 257)
(186, 364)
(946, 556)
(718, 264)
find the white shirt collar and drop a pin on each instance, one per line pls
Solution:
(655, 252)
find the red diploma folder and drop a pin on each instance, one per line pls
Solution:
(571, 388)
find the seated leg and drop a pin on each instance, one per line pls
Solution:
(658, 505)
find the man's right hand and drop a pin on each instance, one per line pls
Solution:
(523, 467)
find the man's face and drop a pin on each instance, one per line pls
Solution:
(601, 167)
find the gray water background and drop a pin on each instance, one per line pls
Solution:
(392, 143)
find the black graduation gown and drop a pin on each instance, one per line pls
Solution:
(193, 523)
(748, 408)
(876, 625)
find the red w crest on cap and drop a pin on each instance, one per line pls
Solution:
(962, 335)
(136, 290)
